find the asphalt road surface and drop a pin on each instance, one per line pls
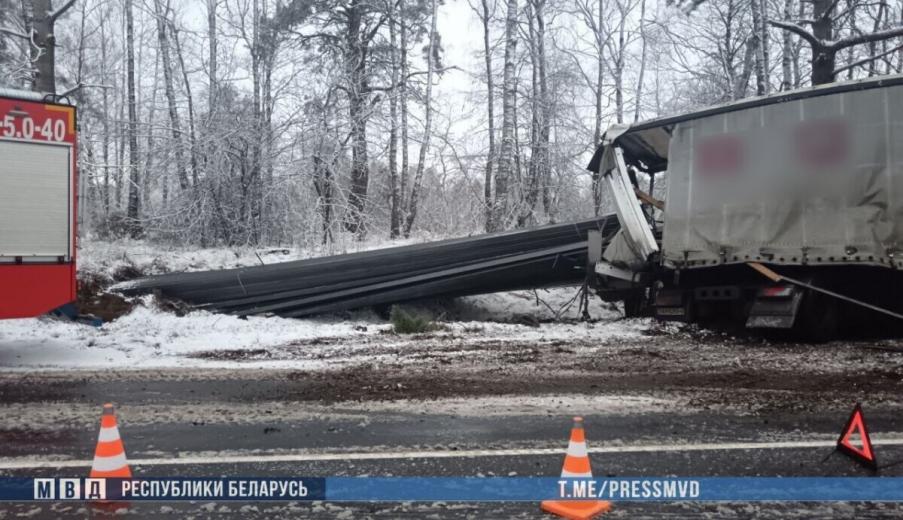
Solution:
(658, 401)
(276, 423)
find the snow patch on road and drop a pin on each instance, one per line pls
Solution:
(508, 405)
(63, 415)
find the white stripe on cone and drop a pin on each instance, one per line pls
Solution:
(577, 449)
(108, 434)
(565, 474)
(109, 463)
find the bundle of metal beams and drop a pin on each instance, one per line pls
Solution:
(549, 255)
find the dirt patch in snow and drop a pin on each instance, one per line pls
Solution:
(95, 301)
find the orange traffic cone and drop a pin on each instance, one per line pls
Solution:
(109, 456)
(576, 465)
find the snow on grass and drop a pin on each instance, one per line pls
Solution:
(554, 303)
(106, 257)
(149, 337)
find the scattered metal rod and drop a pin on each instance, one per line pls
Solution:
(512, 260)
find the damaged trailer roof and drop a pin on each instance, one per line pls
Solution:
(542, 256)
(810, 177)
(647, 142)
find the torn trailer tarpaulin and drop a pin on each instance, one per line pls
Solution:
(810, 177)
(543, 256)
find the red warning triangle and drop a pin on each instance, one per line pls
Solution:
(856, 424)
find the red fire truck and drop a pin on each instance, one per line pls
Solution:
(38, 195)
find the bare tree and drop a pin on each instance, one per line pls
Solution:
(509, 100)
(758, 46)
(787, 50)
(395, 220)
(431, 58)
(593, 16)
(539, 169)
(44, 48)
(161, 14)
(186, 83)
(638, 103)
(824, 47)
(403, 105)
(134, 204)
(360, 30)
(105, 150)
(485, 13)
(212, 60)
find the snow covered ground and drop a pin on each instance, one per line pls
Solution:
(151, 337)
(109, 257)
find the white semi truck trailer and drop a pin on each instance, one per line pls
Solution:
(805, 187)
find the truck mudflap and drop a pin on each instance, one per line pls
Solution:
(673, 305)
(775, 307)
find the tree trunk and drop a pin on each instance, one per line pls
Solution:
(639, 84)
(122, 142)
(749, 60)
(394, 203)
(763, 39)
(323, 177)
(43, 52)
(27, 50)
(134, 203)
(270, 47)
(253, 203)
(619, 62)
(87, 192)
(545, 111)
(787, 51)
(873, 46)
(506, 154)
(403, 102)
(490, 109)
(758, 46)
(598, 94)
(192, 136)
(149, 146)
(539, 174)
(211, 66)
(797, 48)
(162, 15)
(427, 125)
(105, 149)
(356, 70)
(531, 189)
(823, 58)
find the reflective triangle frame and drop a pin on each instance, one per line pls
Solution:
(864, 455)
